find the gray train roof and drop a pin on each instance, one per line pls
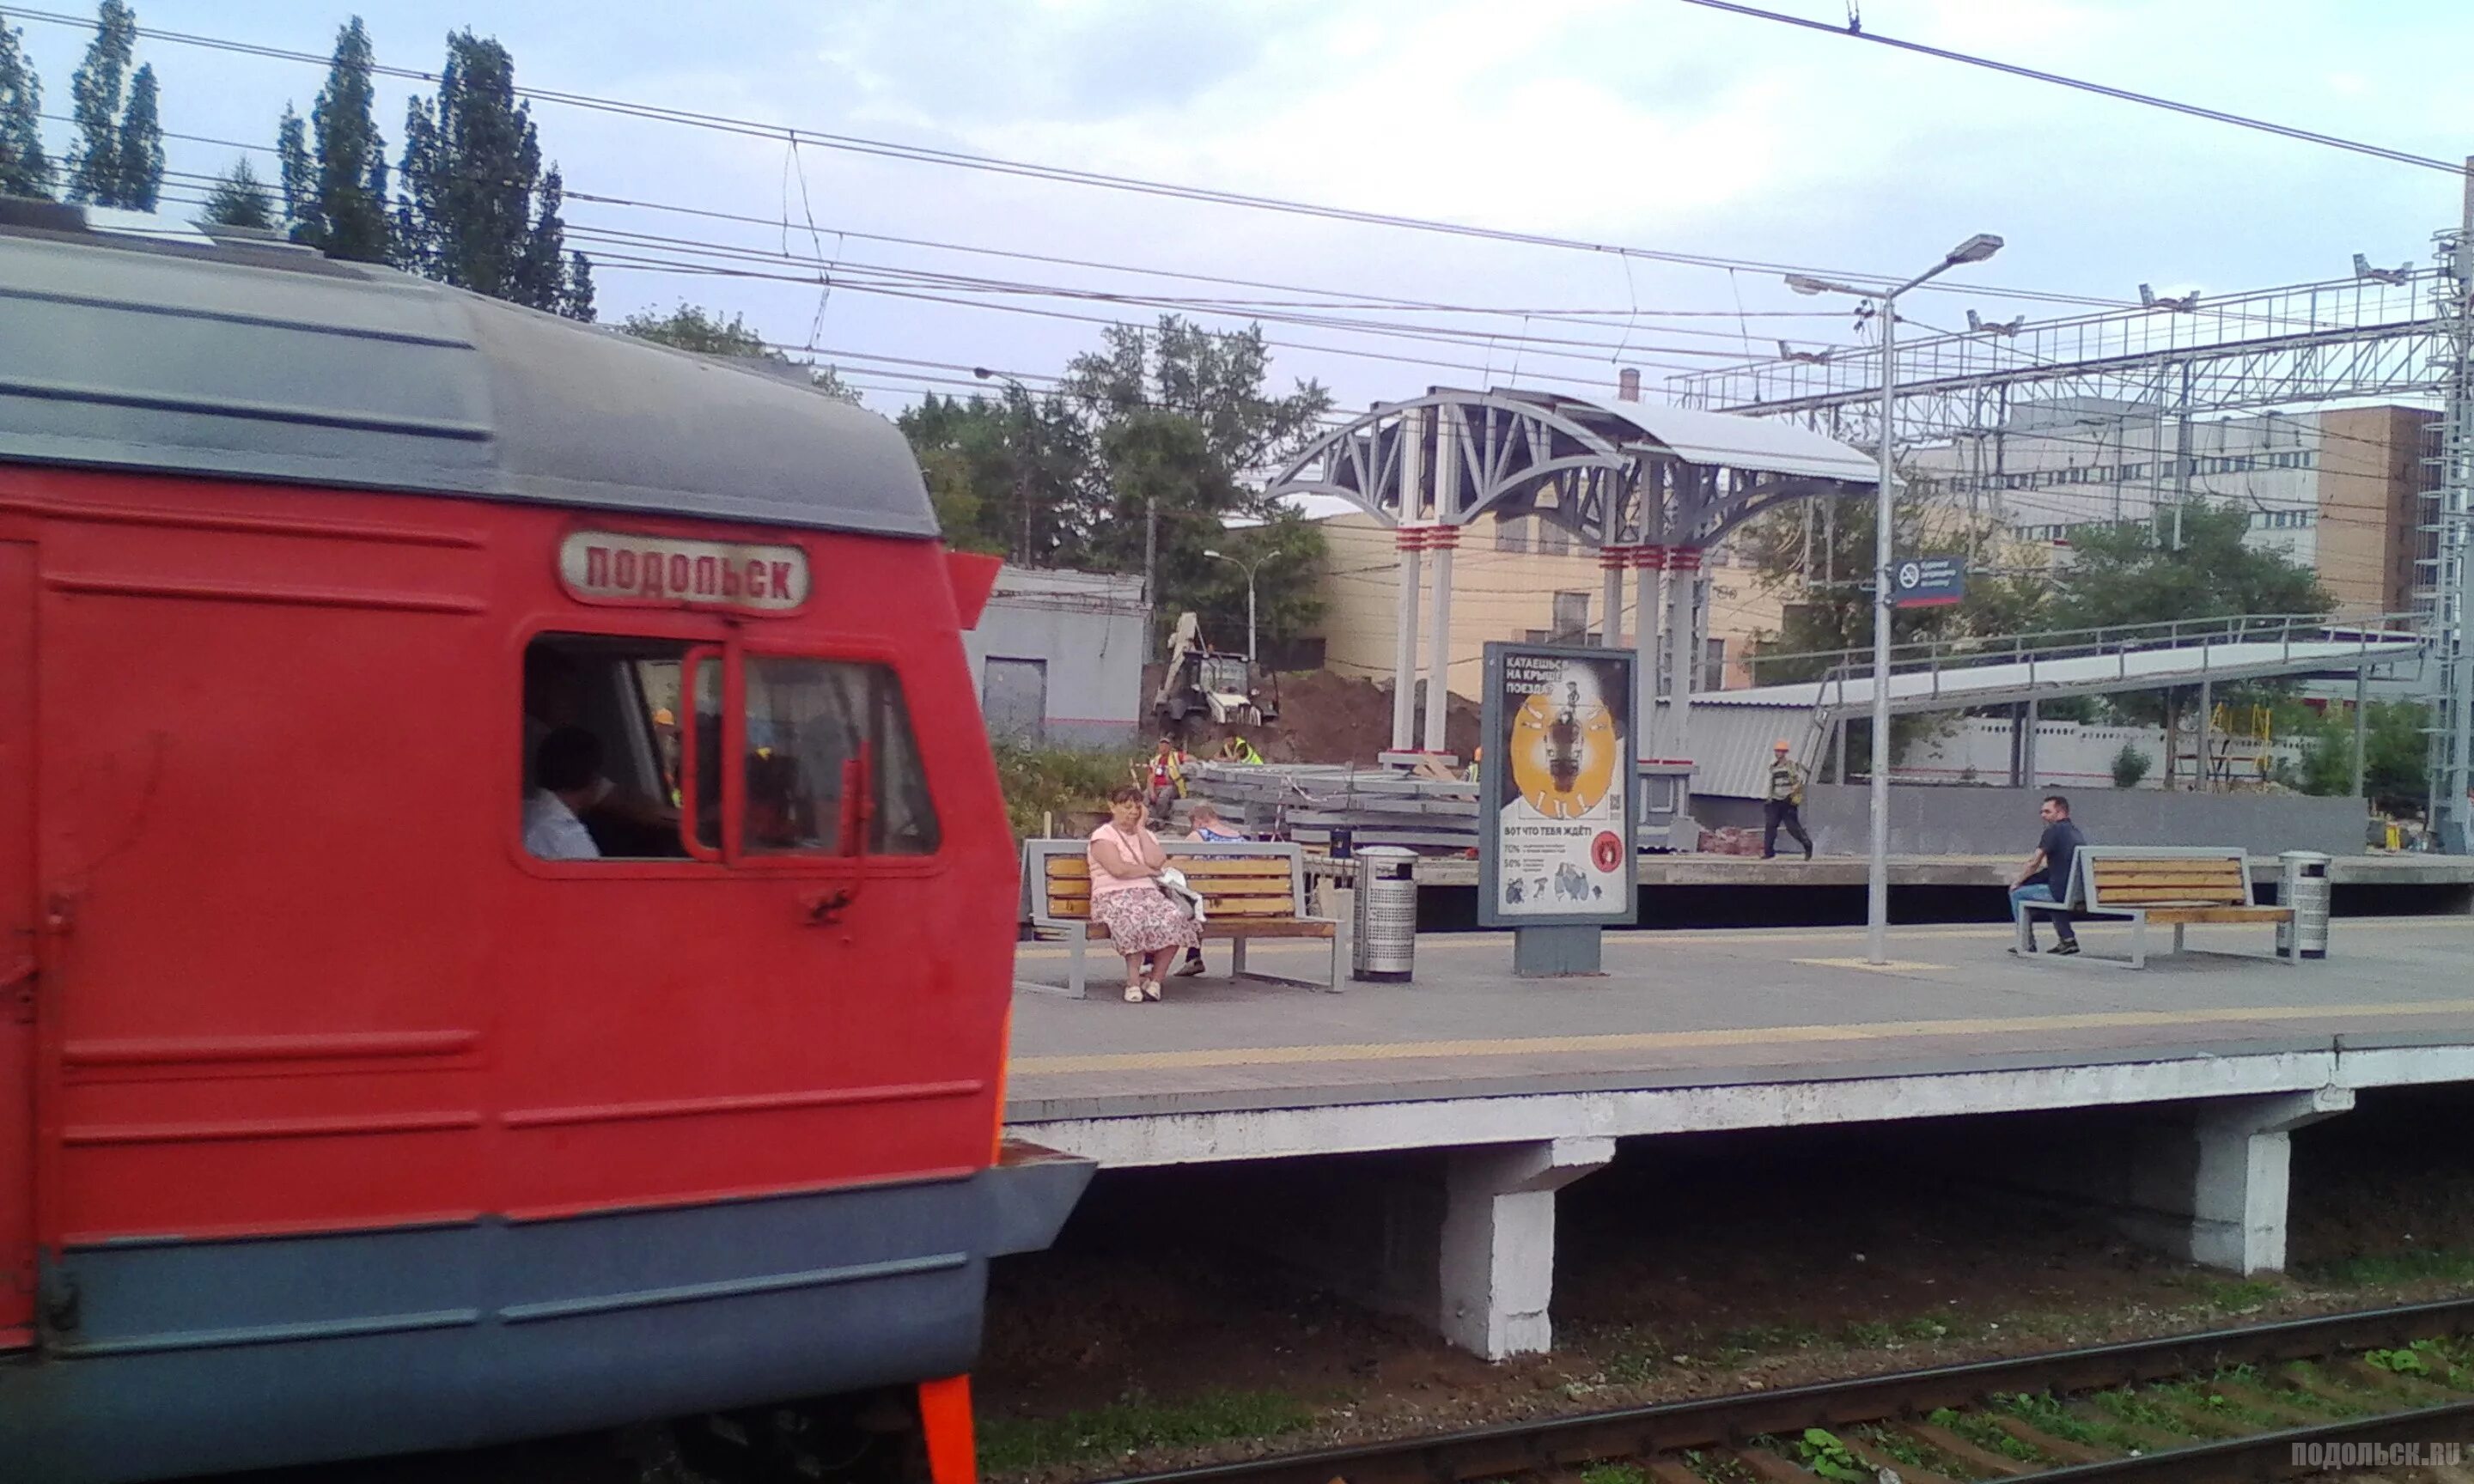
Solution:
(160, 349)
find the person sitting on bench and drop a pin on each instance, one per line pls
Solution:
(2047, 873)
(1207, 827)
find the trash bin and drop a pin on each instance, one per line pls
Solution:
(2303, 884)
(1384, 930)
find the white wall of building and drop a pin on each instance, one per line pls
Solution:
(2069, 754)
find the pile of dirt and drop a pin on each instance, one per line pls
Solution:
(1331, 718)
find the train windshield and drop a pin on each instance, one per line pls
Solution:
(804, 725)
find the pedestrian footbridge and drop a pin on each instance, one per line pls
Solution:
(1729, 732)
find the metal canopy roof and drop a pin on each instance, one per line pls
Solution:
(1753, 445)
(139, 352)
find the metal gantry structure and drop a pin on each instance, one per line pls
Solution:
(1647, 487)
(2379, 334)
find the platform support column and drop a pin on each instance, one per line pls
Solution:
(1683, 589)
(1442, 537)
(2027, 745)
(2207, 727)
(1410, 539)
(1498, 1241)
(2244, 1162)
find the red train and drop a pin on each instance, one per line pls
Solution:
(509, 911)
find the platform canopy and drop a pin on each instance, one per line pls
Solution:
(1645, 486)
(1675, 475)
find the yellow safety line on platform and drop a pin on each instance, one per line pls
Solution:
(1735, 1036)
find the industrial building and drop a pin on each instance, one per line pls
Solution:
(1059, 658)
(2337, 491)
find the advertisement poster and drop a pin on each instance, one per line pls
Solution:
(1555, 834)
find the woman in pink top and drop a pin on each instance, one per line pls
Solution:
(1145, 926)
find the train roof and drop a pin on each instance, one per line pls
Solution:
(134, 342)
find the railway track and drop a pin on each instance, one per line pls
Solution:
(2274, 1400)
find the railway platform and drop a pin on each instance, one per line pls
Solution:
(1512, 1088)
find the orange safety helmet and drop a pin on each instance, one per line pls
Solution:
(662, 717)
(1778, 746)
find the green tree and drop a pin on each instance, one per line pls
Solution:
(2397, 755)
(141, 145)
(694, 327)
(1165, 465)
(1214, 377)
(25, 170)
(298, 173)
(1184, 428)
(474, 210)
(1822, 558)
(337, 199)
(1010, 476)
(239, 199)
(2132, 574)
(95, 106)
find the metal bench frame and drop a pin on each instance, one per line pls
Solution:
(2084, 896)
(1076, 932)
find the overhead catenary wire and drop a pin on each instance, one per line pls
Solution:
(1308, 347)
(1335, 299)
(1067, 174)
(2101, 90)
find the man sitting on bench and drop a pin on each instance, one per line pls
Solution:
(2047, 876)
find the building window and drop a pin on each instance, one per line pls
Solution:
(1713, 664)
(1553, 540)
(1511, 533)
(1571, 617)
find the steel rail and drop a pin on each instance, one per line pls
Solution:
(1565, 1443)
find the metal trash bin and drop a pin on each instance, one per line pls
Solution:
(1383, 929)
(2303, 884)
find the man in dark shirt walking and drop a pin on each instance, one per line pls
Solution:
(2047, 873)
(1783, 803)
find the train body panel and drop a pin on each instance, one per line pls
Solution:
(353, 1118)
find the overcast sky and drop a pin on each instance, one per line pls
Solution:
(1647, 123)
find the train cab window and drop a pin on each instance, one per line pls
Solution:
(814, 727)
(612, 706)
(618, 722)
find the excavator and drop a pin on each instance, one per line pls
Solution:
(1230, 689)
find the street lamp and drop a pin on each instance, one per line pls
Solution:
(1248, 567)
(1876, 880)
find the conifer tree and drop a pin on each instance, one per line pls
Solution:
(473, 207)
(140, 145)
(25, 170)
(300, 178)
(95, 106)
(239, 199)
(352, 170)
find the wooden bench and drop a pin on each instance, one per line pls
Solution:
(1248, 891)
(2145, 884)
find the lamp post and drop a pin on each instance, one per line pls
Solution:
(1248, 567)
(1877, 877)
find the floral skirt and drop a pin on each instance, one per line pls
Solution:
(1143, 921)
